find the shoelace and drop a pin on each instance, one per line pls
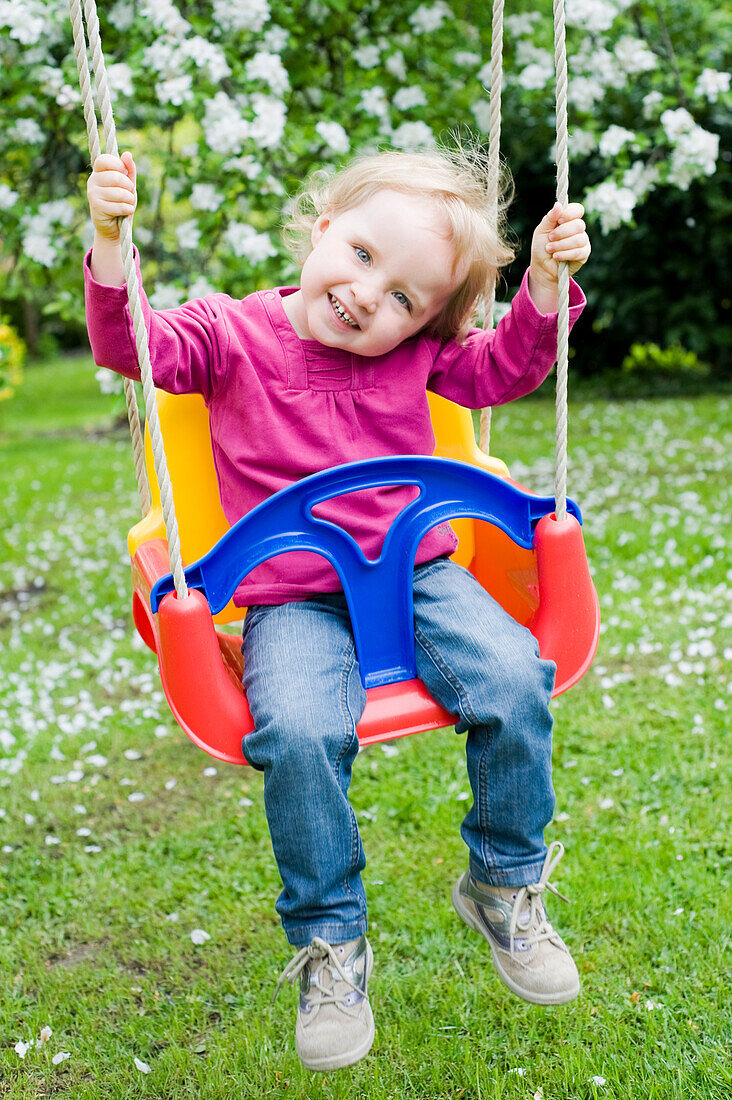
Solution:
(318, 949)
(538, 925)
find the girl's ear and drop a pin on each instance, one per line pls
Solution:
(319, 228)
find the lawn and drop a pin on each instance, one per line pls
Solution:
(120, 843)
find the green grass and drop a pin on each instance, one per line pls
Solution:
(95, 928)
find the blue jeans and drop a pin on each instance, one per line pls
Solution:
(306, 698)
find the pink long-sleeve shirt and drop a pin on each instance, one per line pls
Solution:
(281, 408)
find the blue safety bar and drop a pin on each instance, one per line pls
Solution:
(378, 593)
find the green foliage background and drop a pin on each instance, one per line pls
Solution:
(662, 277)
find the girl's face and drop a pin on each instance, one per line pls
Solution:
(378, 273)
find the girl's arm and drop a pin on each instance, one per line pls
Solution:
(491, 368)
(185, 343)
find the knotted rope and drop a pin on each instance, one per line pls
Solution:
(133, 286)
(562, 156)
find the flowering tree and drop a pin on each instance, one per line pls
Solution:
(227, 105)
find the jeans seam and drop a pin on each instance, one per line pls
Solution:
(484, 820)
(349, 660)
(440, 664)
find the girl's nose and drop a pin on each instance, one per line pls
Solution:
(364, 296)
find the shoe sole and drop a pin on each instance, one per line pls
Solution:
(349, 1057)
(526, 994)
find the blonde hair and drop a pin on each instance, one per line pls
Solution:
(463, 186)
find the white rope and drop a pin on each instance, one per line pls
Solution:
(133, 413)
(494, 160)
(133, 287)
(562, 155)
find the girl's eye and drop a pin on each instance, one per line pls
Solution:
(362, 254)
(403, 300)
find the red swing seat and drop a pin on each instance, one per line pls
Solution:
(547, 588)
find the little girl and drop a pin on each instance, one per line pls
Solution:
(396, 251)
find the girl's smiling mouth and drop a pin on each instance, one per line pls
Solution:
(341, 312)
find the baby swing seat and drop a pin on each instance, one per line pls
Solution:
(510, 539)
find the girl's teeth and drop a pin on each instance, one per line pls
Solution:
(342, 313)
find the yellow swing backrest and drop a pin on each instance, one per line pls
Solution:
(201, 520)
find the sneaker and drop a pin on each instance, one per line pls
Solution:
(335, 1024)
(530, 957)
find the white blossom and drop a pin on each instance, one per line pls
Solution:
(208, 56)
(270, 116)
(166, 296)
(429, 17)
(633, 56)
(482, 114)
(199, 936)
(275, 38)
(204, 196)
(164, 15)
(519, 25)
(120, 79)
(68, 97)
(244, 241)
(247, 165)
(711, 84)
(592, 15)
(367, 56)
(535, 75)
(269, 68)
(21, 1048)
(201, 288)
(614, 139)
(223, 125)
(176, 89)
(163, 57)
(27, 21)
(584, 92)
(694, 155)
(413, 135)
(676, 123)
(39, 236)
(466, 59)
(189, 234)
(641, 178)
(613, 204)
(122, 15)
(396, 65)
(581, 143)
(28, 132)
(373, 102)
(409, 97)
(241, 15)
(651, 103)
(8, 198)
(334, 136)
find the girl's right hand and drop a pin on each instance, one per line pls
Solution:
(111, 193)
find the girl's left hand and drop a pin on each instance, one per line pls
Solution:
(560, 235)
